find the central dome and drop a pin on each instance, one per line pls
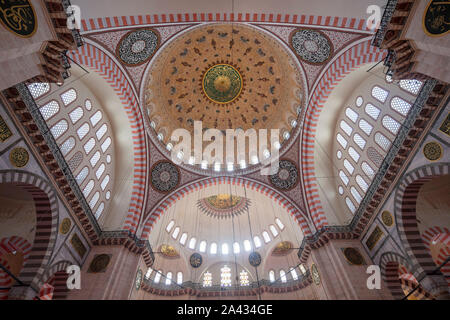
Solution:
(228, 76)
(222, 83)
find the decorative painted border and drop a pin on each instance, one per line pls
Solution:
(167, 202)
(123, 21)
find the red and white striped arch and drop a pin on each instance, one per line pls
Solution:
(440, 235)
(325, 21)
(96, 59)
(348, 61)
(168, 201)
(10, 245)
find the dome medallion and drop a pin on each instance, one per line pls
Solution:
(222, 83)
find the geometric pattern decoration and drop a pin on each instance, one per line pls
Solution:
(311, 46)
(195, 260)
(445, 126)
(65, 225)
(346, 62)
(222, 83)
(195, 186)
(353, 256)
(315, 274)
(287, 176)
(432, 151)
(19, 157)
(223, 205)
(137, 47)
(99, 263)
(254, 259)
(165, 176)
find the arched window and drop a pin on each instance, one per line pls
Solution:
(279, 223)
(360, 141)
(83, 131)
(348, 166)
(169, 278)
(400, 105)
(374, 156)
(101, 131)
(283, 276)
(95, 158)
(96, 118)
(183, 238)
(352, 115)
(100, 208)
(367, 169)
(105, 182)
(88, 188)
(82, 175)
(392, 125)
(342, 141)
(273, 230)
(106, 144)
(75, 161)
(354, 154)
(192, 243)
(355, 194)
(343, 177)
(382, 141)
(365, 127)
(350, 205)
(69, 96)
(148, 273)
(94, 200)
(266, 237)
(257, 241)
(179, 277)
(38, 89)
(202, 246)
(346, 127)
(294, 274)
(207, 279)
(100, 171)
(175, 233)
(372, 111)
(67, 146)
(247, 245)
(59, 128)
(362, 183)
(49, 110)
(225, 249)
(170, 226)
(89, 146)
(225, 276)
(236, 248)
(157, 276)
(302, 269)
(213, 248)
(412, 86)
(243, 278)
(379, 93)
(76, 115)
(272, 276)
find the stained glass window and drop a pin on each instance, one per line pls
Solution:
(225, 276)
